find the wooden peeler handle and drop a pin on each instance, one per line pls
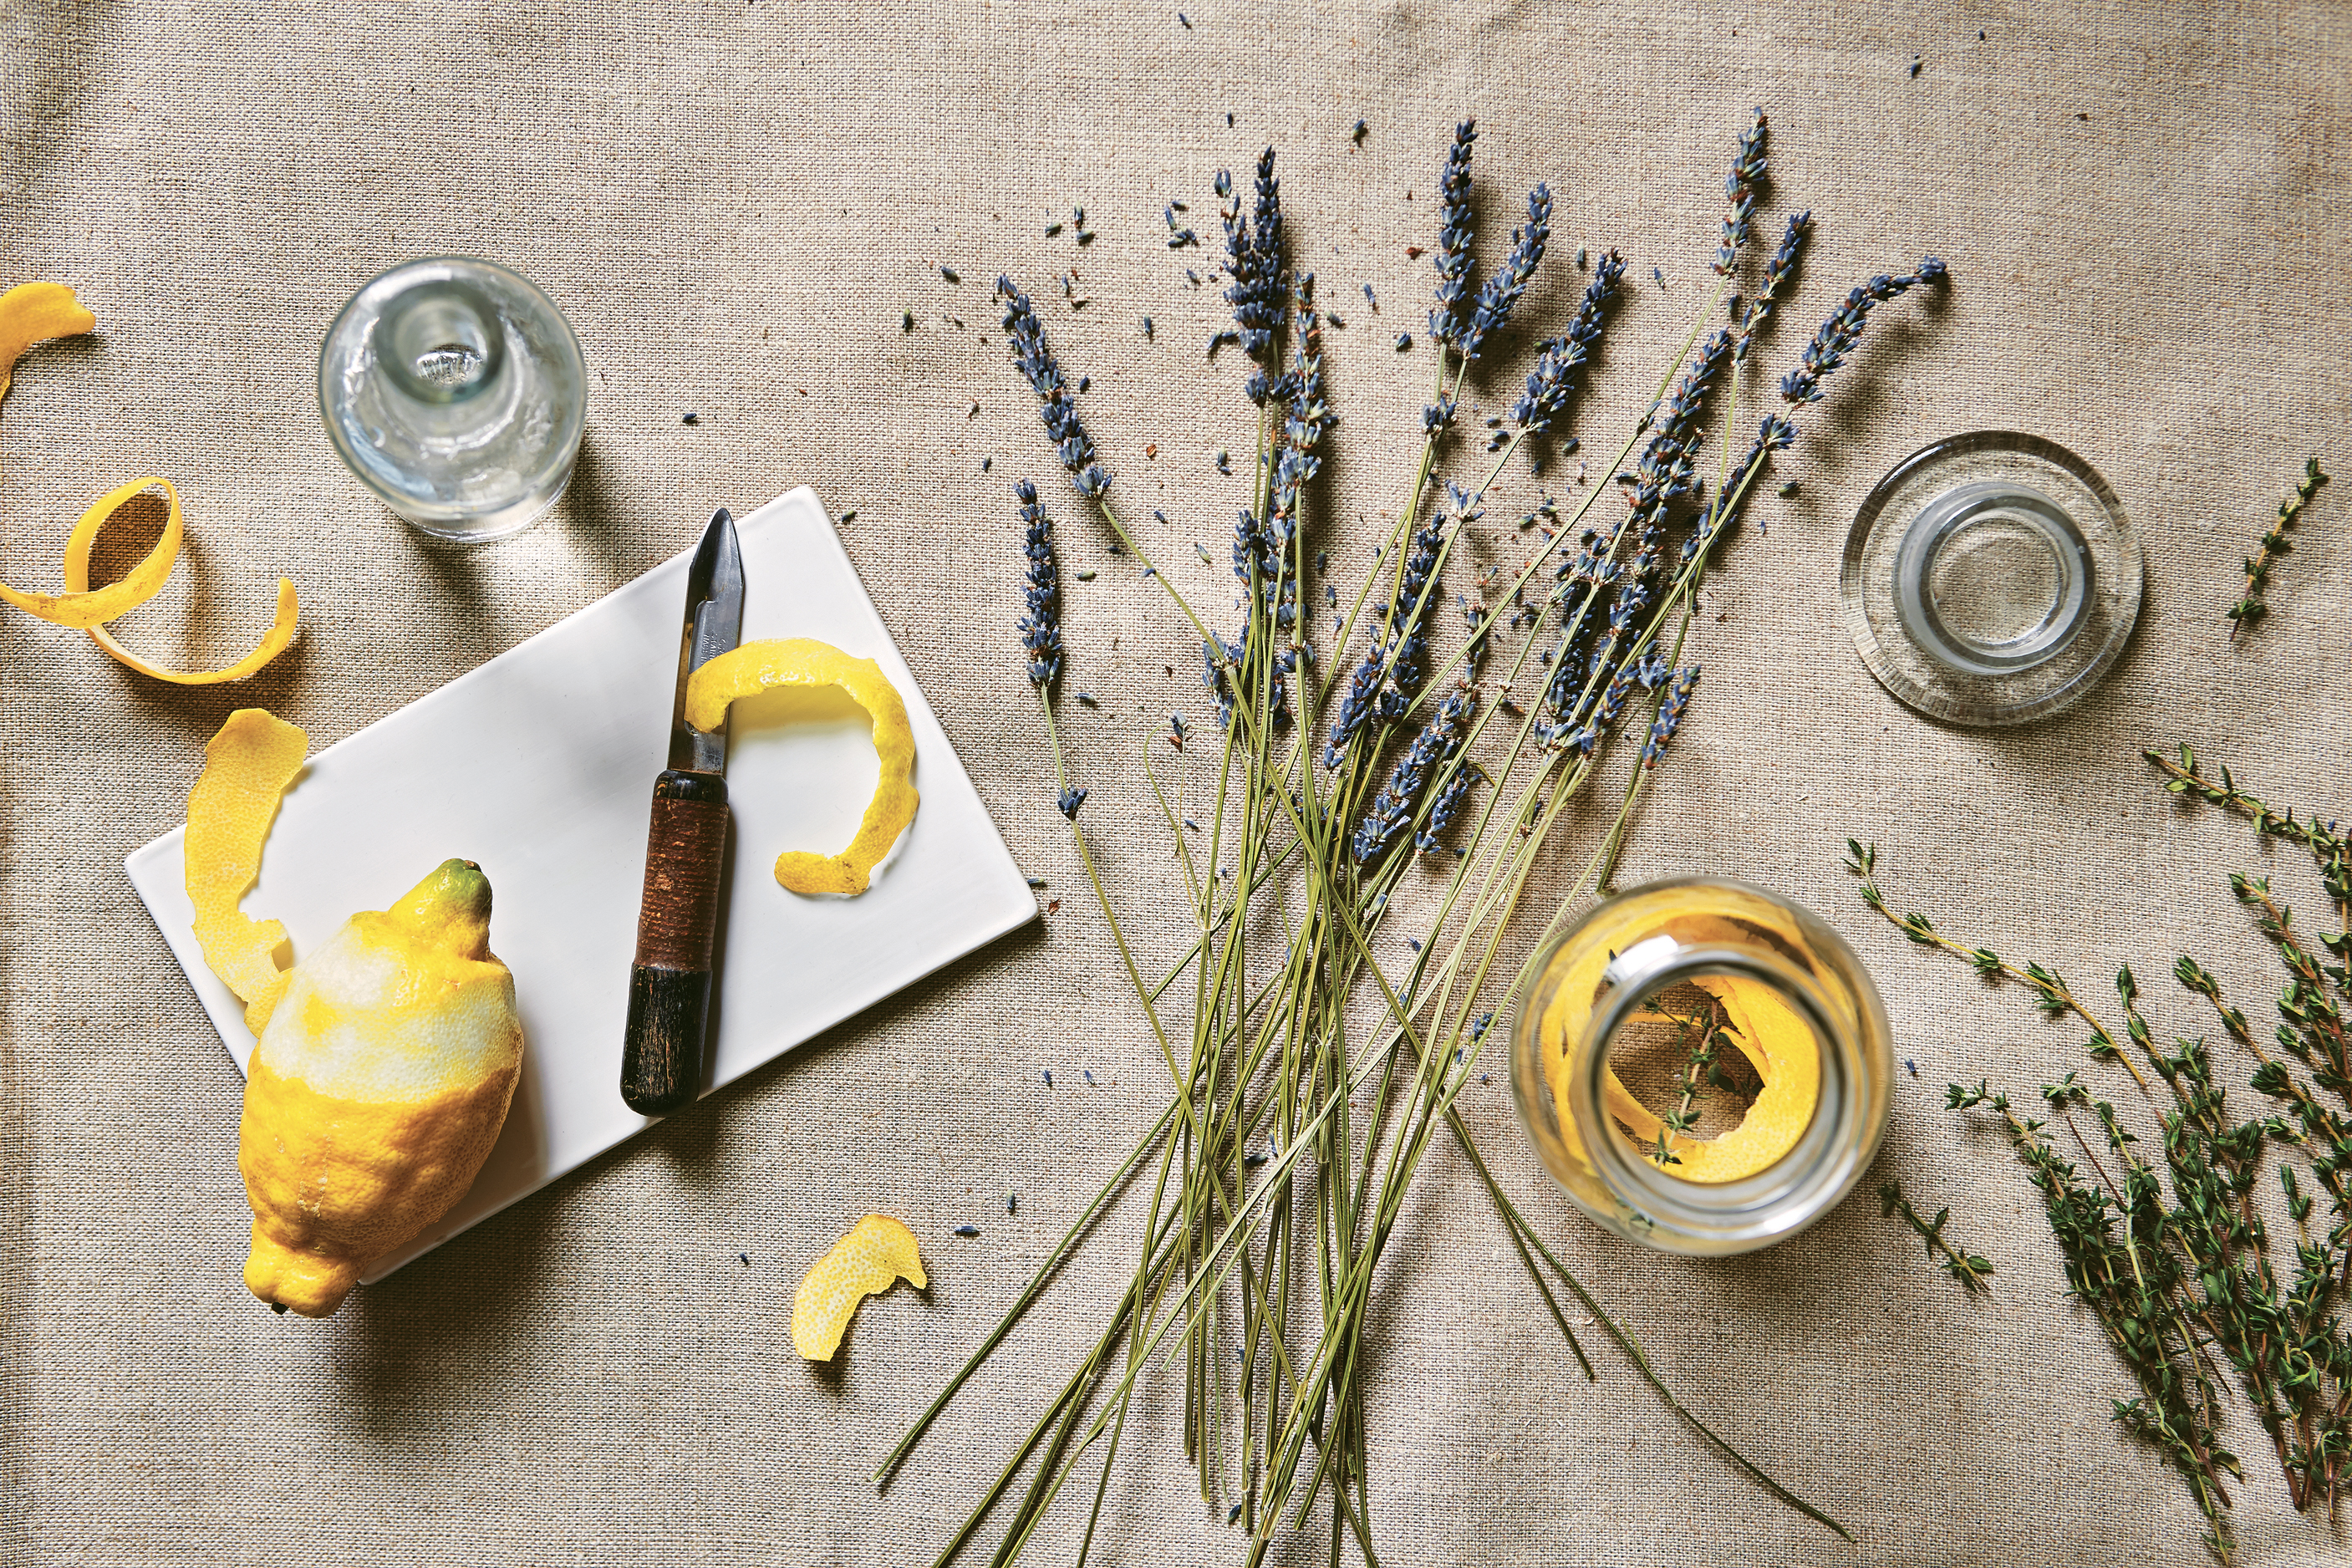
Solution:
(669, 987)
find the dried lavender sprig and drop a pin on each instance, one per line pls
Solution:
(1670, 716)
(1444, 810)
(1063, 425)
(1454, 233)
(1504, 288)
(1554, 380)
(1041, 628)
(1747, 173)
(1777, 273)
(2251, 607)
(1255, 257)
(1838, 334)
(1774, 435)
(1392, 809)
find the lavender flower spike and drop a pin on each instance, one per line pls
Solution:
(1255, 256)
(1554, 380)
(1739, 188)
(1068, 434)
(1776, 274)
(1041, 628)
(1838, 334)
(1454, 236)
(1670, 716)
(1502, 289)
(1069, 800)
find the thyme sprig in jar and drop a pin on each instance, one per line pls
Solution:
(1748, 979)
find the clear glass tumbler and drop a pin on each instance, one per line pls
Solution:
(1620, 1002)
(455, 389)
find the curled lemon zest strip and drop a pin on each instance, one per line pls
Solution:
(247, 769)
(274, 642)
(878, 1253)
(36, 312)
(758, 667)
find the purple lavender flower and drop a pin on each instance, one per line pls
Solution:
(1777, 275)
(1444, 810)
(1390, 811)
(1558, 363)
(1255, 256)
(1068, 801)
(1739, 187)
(1503, 288)
(1041, 628)
(1670, 716)
(1453, 236)
(1355, 705)
(1068, 433)
(1838, 334)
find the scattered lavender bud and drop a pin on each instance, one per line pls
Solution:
(906, 320)
(1788, 487)
(1404, 342)
(1049, 1077)
(1083, 574)
(1052, 230)
(1368, 300)
(1088, 698)
(1224, 462)
(1335, 318)
(1188, 26)
(951, 274)
(1147, 328)
(1359, 133)
(1659, 275)
(850, 516)
(986, 464)
(1916, 63)
(967, 1230)
(1012, 1203)
(689, 418)
(1036, 881)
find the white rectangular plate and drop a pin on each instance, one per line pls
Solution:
(539, 765)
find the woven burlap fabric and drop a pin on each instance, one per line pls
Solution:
(2143, 205)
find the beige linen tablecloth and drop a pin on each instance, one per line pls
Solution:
(2145, 207)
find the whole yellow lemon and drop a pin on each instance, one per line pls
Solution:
(376, 1090)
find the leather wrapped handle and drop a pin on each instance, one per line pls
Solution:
(678, 921)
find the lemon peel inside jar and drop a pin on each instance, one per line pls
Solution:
(1771, 983)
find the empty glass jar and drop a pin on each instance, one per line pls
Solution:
(1779, 1014)
(455, 391)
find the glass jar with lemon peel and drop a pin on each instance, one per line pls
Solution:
(1703, 1066)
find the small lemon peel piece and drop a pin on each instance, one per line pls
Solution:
(878, 1252)
(247, 769)
(763, 666)
(34, 313)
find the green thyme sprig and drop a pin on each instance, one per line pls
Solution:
(2188, 1280)
(2251, 607)
(1973, 1270)
(2056, 1000)
(2119, 1266)
(2329, 845)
